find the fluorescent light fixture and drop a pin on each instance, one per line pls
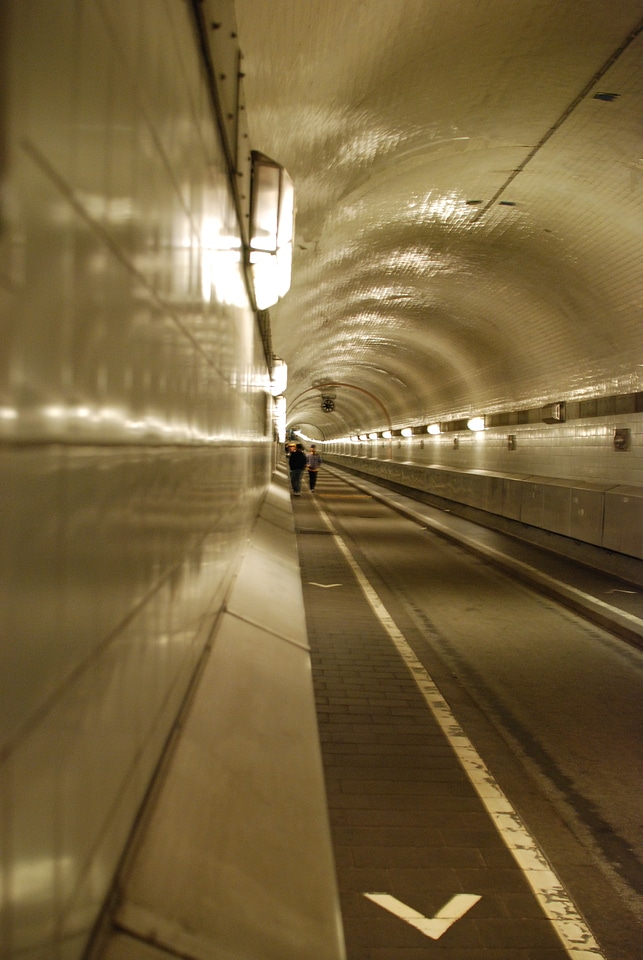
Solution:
(476, 423)
(279, 414)
(272, 214)
(363, 437)
(306, 438)
(279, 376)
(355, 439)
(407, 432)
(386, 434)
(433, 429)
(372, 436)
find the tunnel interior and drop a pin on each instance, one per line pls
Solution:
(467, 244)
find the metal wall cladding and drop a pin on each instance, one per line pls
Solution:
(546, 503)
(132, 428)
(587, 511)
(511, 498)
(624, 520)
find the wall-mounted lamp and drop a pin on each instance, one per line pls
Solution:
(386, 434)
(476, 424)
(372, 436)
(272, 210)
(407, 431)
(278, 377)
(433, 429)
(363, 437)
(279, 416)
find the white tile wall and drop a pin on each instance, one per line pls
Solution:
(564, 478)
(576, 450)
(132, 434)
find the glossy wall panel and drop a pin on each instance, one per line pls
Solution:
(133, 433)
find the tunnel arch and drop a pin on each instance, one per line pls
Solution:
(483, 191)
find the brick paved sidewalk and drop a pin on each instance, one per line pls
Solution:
(405, 819)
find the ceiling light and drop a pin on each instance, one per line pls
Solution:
(271, 230)
(372, 436)
(279, 417)
(476, 423)
(386, 434)
(433, 429)
(407, 432)
(278, 377)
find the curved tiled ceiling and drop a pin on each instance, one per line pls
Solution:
(469, 233)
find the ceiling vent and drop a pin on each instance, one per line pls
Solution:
(553, 413)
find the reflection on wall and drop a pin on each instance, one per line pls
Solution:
(132, 433)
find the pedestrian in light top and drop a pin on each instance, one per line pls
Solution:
(314, 460)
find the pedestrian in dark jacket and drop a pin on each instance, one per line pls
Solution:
(297, 464)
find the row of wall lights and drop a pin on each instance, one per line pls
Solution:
(622, 437)
(475, 424)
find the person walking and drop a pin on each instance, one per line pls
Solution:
(313, 462)
(297, 462)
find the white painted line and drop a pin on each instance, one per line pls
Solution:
(573, 932)
(324, 586)
(432, 927)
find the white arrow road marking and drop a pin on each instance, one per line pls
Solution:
(324, 586)
(435, 926)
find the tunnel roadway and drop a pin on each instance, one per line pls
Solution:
(546, 703)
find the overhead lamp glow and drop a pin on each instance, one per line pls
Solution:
(386, 434)
(279, 376)
(407, 432)
(433, 429)
(476, 423)
(272, 214)
(279, 415)
(363, 437)
(372, 436)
